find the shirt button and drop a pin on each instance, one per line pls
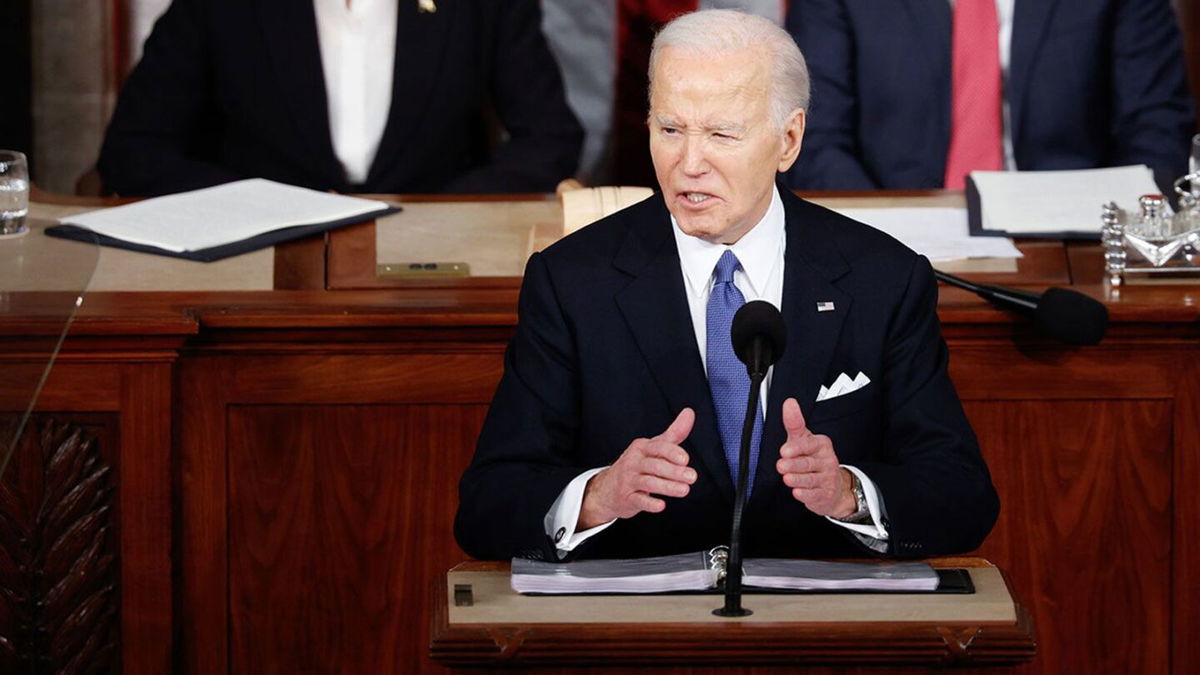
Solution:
(559, 535)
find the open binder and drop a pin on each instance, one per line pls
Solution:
(704, 572)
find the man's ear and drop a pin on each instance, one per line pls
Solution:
(793, 136)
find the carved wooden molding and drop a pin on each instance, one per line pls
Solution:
(58, 573)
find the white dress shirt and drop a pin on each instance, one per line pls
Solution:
(358, 54)
(761, 254)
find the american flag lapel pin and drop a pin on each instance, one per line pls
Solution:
(426, 6)
(826, 306)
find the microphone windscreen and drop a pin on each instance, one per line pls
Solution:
(754, 319)
(1072, 317)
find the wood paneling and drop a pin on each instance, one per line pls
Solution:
(1185, 542)
(124, 399)
(144, 501)
(59, 564)
(339, 523)
(1085, 526)
(320, 485)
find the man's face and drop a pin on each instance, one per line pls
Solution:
(714, 147)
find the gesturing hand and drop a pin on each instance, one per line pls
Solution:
(810, 467)
(649, 466)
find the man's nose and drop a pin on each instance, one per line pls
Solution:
(695, 160)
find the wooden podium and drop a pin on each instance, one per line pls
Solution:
(281, 436)
(502, 628)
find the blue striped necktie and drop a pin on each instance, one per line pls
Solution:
(727, 376)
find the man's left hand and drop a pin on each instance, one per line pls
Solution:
(810, 467)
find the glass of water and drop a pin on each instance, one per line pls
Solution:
(14, 192)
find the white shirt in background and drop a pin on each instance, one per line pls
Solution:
(358, 55)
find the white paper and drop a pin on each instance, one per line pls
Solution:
(200, 219)
(1035, 202)
(936, 233)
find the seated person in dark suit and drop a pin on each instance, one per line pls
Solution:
(379, 96)
(1083, 84)
(621, 401)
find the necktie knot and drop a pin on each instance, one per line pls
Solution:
(726, 266)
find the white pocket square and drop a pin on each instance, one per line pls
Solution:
(843, 385)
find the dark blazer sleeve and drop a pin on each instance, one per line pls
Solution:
(523, 457)
(830, 158)
(155, 139)
(1152, 112)
(936, 488)
(544, 137)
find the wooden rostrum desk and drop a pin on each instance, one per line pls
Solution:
(480, 621)
(285, 434)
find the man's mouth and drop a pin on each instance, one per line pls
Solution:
(696, 197)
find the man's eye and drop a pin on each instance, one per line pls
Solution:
(724, 137)
(670, 131)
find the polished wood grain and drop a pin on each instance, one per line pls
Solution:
(352, 258)
(341, 513)
(375, 442)
(131, 390)
(1185, 542)
(300, 264)
(144, 499)
(1085, 528)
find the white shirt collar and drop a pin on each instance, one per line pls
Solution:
(759, 251)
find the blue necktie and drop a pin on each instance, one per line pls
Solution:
(727, 376)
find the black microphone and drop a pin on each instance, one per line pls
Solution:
(758, 337)
(1061, 313)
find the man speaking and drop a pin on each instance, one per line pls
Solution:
(614, 431)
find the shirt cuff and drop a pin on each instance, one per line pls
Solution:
(868, 531)
(563, 515)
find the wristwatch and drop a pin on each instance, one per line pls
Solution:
(862, 512)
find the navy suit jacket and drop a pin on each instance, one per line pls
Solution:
(605, 353)
(1091, 83)
(230, 89)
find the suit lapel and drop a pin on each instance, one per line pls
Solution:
(812, 264)
(420, 47)
(1030, 18)
(290, 35)
(654, 306)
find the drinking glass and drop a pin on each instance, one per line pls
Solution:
(14, 192)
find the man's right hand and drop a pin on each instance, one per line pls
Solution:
(649, 466)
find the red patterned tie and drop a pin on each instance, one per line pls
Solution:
(975, 123)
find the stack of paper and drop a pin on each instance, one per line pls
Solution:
(817, 574)
(683, 572)
(222, 220)
(702, 571)
(1055, 204)
(936, 233)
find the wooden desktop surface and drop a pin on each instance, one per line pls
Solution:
(282, 463)
(986, 627)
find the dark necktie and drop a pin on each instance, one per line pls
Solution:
(727, 376)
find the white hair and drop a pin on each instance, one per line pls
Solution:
(713, 31)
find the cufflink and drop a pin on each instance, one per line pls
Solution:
(559, 535)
